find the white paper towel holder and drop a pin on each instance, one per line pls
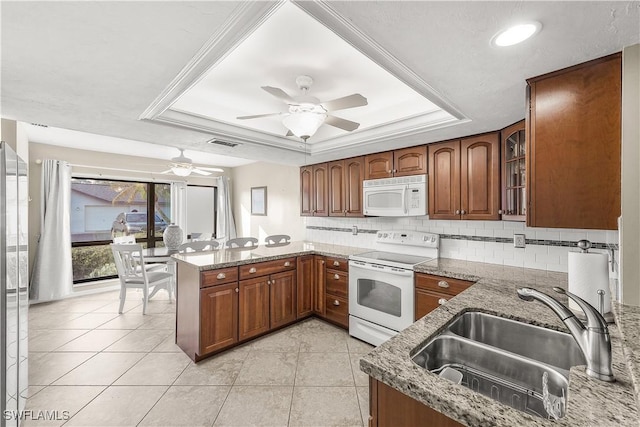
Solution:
(584, 246)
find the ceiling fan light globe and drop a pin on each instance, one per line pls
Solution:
(181, 171)
(304, 124)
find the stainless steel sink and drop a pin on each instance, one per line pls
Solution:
(544, 345)
(521, 365)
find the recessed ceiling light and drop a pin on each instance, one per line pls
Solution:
(516, 34)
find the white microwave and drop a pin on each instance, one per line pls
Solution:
(401, 196)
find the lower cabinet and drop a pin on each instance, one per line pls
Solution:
(337, 291)
(254, 307)
(266, 303)
(433, 291)
(218, 317)
(390, 408)
(305, 286)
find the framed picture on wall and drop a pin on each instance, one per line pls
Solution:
(258, 200)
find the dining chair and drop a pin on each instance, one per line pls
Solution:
(129, 263)
(276, 239)
(199, 246)
(131, 240)
(242, 242)
(201, 236)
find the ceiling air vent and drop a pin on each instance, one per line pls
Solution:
(223, 143)
(39, 125)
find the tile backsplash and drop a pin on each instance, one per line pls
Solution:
(481, 241)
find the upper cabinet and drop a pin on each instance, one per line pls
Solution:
(345, 187)
(514, 202)
(407, 161)
(464, 179)
(314, 195)
(573, 146)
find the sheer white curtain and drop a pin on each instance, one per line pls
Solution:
(179, 206)
(52, 275)
(225, 225)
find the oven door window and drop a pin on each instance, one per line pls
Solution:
(379, 296)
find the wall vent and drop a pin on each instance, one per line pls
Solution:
(223, 143)
(39, 125)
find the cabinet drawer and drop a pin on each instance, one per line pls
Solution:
(218, 277)
(265, 268)
(427, 301)
(337, 310)
(337, 283)
(341, 264)
(441, 284)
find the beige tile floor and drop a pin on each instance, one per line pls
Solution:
(107, 369)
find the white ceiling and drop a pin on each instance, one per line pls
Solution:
(98, 66)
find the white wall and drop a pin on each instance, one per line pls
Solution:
(283, 200)
(630, 226)
(539, 256)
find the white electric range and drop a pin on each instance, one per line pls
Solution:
(381, 283)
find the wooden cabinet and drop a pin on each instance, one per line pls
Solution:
(403, 162)
(314, 190)
(219, 317)
(337, 291)
(345, 187)
(206, 310)
(305, 286)
(282, 299)
(433, 291)
(318, 288)
(254, 307)
(573, 146)
(514, 202)
(464, 182)
(268, 300)
(390, 408)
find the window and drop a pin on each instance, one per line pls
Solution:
(103, 209)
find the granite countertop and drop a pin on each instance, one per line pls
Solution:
(233, 257)
(590, 402)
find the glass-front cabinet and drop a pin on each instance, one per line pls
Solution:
(514, 200)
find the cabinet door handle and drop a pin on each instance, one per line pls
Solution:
(500, 211)
(221, 276)
(268, 282)
(443, 284)
(336, 276)
(336, 302)
(287, 264)
(442, 301)
(463, 212)
(252, 270)
(237, 290)
(336, 263)
(457, 211)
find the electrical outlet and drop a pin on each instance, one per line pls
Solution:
(519, 240)
(354, 230)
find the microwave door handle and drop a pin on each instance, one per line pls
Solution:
(404, 200)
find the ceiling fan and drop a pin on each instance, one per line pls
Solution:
(183, 166)
(306, 113)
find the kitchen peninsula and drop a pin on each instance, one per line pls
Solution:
(209, 286)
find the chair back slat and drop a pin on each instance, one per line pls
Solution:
(277, 238)
(129, 262)
(242, 242)
(199, 246)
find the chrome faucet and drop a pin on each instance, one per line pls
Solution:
(593, 339)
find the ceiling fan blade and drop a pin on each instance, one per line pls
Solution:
(279, 93)
(343, 124)
(351, 101)
(204, 168)
(200, 172)
(257, 116)
(167, 171)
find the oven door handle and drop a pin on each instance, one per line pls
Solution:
(379, 268)
(404, 199)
